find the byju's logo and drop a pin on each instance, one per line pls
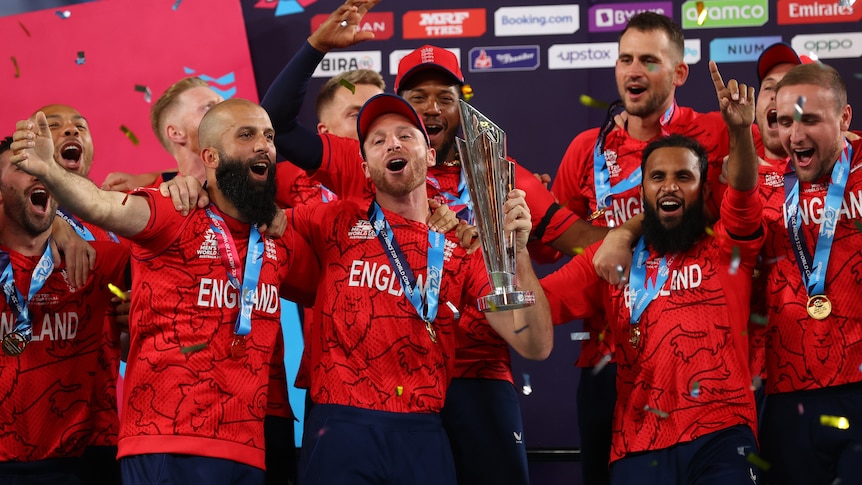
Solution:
(830, 46)
(718, 14)
(608, 17)
(739, 49)
(536, 20)
(583, 56)
(509, 58)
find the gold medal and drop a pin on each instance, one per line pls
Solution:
(819, 307)
(237, 347)
(431, 332)
(14, 344)
(596, 214)
(635, 336)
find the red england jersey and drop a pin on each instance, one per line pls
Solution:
(574, 186)
(688, 376)
(803, 353)
(46, 392)
(368, 347)
(184, 392)
(294, 187)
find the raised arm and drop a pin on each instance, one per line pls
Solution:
(33, 152)
(283, 100)
(737, 108)
(528, 330)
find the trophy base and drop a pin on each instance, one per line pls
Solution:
(510, 300)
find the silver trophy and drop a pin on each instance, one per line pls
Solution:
(490, 177)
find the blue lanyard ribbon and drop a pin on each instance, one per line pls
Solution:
(81, 229)
(425, 307)
(251, 274)
(21, 307)
(641, 290)
(601, 175)
(461, 203)
(814, 270)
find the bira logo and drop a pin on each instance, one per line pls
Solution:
(435, 24)
(816, 12)
(381, 24)
(338, 62)
(720, 14)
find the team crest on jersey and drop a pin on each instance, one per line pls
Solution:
(447, 249)
(45, 299)
(209, 248)
(611, 160)
(814, 188)
(362, 230)
(773, 179)
(269, 249)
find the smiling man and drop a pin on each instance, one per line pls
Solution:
(203, 352)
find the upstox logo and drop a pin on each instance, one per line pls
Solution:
(721, 14)
(829, 46)
(583, 56)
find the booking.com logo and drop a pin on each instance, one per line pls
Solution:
(284, 7)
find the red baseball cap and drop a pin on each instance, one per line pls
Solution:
(382, 104)
(778, 53)
(428, 57)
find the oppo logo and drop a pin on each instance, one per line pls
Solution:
(827, 45)
(837, 45)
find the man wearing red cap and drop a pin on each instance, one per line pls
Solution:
(488, 448)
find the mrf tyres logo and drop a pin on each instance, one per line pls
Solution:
(839, 45)
(436, 24)
(720, 14)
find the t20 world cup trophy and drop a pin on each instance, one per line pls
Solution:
(490, 177)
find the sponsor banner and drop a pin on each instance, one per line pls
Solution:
(583, 56)
(396, 56)
(816, 12)
(607, 17)
(337, 62)
(829, 46)
(537, 20)
(740, 49)
(721, 14)
(382, 24)
(691, 53)
(442, 24)
(507, 58)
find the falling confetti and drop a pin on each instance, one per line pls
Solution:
(527, 389)
(467, 91)
(601, 336)
(592, 102)
(25, 29)
(63, 14)
(578, 250)
(399, 390)
(839, 422)
(192, 348)
(846, 3)
(800, 409)
(148, 95)
(15, 63)
(658, 412)
(858, 75)
(759, 319)
(654, 463)
(735, 259)
(602, 363)
(797, 108)
(756, 382)
(131, 136)
(701, 13)
(580, 335)
(81, 59)
(758, 462)
(347, 84)
(695, 390)
(709, 232)
(176, 4)
(858, 225)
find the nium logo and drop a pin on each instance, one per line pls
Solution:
(508, 58)
(468, 22)
(830, 46)
(536, 20)
(613, 18)
(338, 62)
(396, 56)
(740, 49)
(725, 13)
(382, 24)
(815, 12)
(583, 56)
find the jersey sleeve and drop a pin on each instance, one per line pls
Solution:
(341, 168)
(575, 290)
(164, 227)
(549, 219)
(568, 182)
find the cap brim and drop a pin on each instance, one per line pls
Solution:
(774, 55)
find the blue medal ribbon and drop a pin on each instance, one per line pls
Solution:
(251, 274)
(641, 290)
(81, 229)
(21, 307)
(425, 307)
(461, 203)
(814, 270)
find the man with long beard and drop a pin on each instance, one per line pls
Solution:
(678, 327)
(204, 327)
